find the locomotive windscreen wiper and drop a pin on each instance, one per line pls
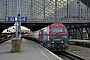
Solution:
(58, 32)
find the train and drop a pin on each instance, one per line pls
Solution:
(53, 37)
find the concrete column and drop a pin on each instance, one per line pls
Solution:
(16, 45)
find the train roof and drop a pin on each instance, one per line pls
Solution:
(59, 24)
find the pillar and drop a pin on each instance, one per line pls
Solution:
(16, 45)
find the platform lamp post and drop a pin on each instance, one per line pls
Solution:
(19, 27)
(16, 43)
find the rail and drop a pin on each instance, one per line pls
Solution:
(68, 56)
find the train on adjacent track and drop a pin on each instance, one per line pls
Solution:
(53, 37)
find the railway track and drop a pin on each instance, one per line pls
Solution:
(4, 40)
(68, 56)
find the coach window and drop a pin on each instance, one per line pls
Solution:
(45, 30)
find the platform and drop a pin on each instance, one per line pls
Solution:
(84, 43)
(30, 51)
(77, 40)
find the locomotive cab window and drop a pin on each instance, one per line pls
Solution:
(57, 29)
(65, 29)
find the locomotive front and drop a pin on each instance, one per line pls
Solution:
(58, 37)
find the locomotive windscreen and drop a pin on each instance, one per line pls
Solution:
(57, 29)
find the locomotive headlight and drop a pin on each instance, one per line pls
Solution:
(64, 36)
(52, 41)
(62, 41)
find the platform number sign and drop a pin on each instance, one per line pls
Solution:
(13, 19)
(10, 19)
(22, 19)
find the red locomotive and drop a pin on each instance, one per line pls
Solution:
(54, 37)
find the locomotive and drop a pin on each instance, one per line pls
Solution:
(54, 37)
